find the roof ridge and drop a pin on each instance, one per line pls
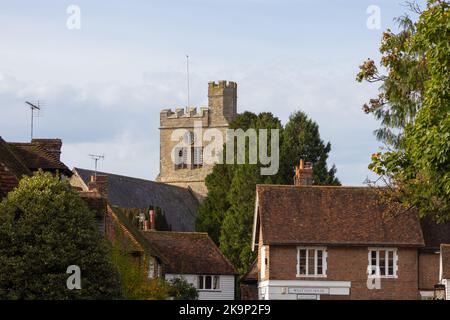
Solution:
(312, 186)
(178, 232)
(128, 177)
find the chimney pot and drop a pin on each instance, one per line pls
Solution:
(303, 174)
(152, 220)
(99, 183)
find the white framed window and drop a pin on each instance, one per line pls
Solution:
(208, 282)
(383, 262)
(311, 262)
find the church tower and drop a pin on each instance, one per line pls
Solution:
(173, 161)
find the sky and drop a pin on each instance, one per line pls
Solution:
(103, 85)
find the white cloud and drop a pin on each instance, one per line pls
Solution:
(121, 120)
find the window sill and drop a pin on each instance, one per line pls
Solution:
(208, 290)
(310, 276)
(384, 277)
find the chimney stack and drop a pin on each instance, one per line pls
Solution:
(52, 146)
(152, 220)
(99, 183)
(303, 174)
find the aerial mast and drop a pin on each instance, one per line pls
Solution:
(33, 107)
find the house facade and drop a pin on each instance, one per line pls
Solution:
(194, 257)
(160, 254)
(317, 242)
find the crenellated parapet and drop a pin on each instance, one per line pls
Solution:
(183, 117)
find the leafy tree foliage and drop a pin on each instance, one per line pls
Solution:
(419, 164)
(134, 280)
(227, 212)
(401, 89)
(180, 289)
(44, 228)
(301, 140)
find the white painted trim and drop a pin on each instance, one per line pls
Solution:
(324, 262)
(305, 283)
(395, 261)
(263, 261)
(427, 294)
(255, 220)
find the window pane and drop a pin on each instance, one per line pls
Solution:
(390, 263)
(319, 262)
(208, 282)
(216, 283)
(302, 262)
(373, 262)
(311, 270)
(200, 282)
(382, 262)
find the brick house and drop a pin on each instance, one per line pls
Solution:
(22, 159)
(168, 254)
(161, 254)
(324, 242)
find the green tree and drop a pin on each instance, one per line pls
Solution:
(419, 166)
(45, 227)
(161, 223)
(180, 289)
(401, 86)
(301, 140)
(227, 212)
(135, 283)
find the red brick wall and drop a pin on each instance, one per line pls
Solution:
(429, 270)
(350, 264)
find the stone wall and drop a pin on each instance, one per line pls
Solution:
(222, 108)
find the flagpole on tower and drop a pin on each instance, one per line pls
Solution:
(188, 85)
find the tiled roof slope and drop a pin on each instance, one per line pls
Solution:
(434, 233)
(445, 251)
(179, 204)
(11, 169)
(35, 157)
(332, 215)
(189, 253)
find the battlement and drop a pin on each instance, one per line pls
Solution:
(222, 84)
(190, 112)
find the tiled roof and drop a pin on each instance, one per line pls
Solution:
(434, 233)
(332, 215)
(11, 169)
(35, 157)
(189, 253)
(178, 204)
(445, 251)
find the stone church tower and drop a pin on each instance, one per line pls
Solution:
(221, 110)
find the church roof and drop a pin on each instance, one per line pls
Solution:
(178, 204)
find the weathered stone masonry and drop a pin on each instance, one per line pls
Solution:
(221, 110)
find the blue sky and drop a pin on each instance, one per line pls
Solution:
(103, 85)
